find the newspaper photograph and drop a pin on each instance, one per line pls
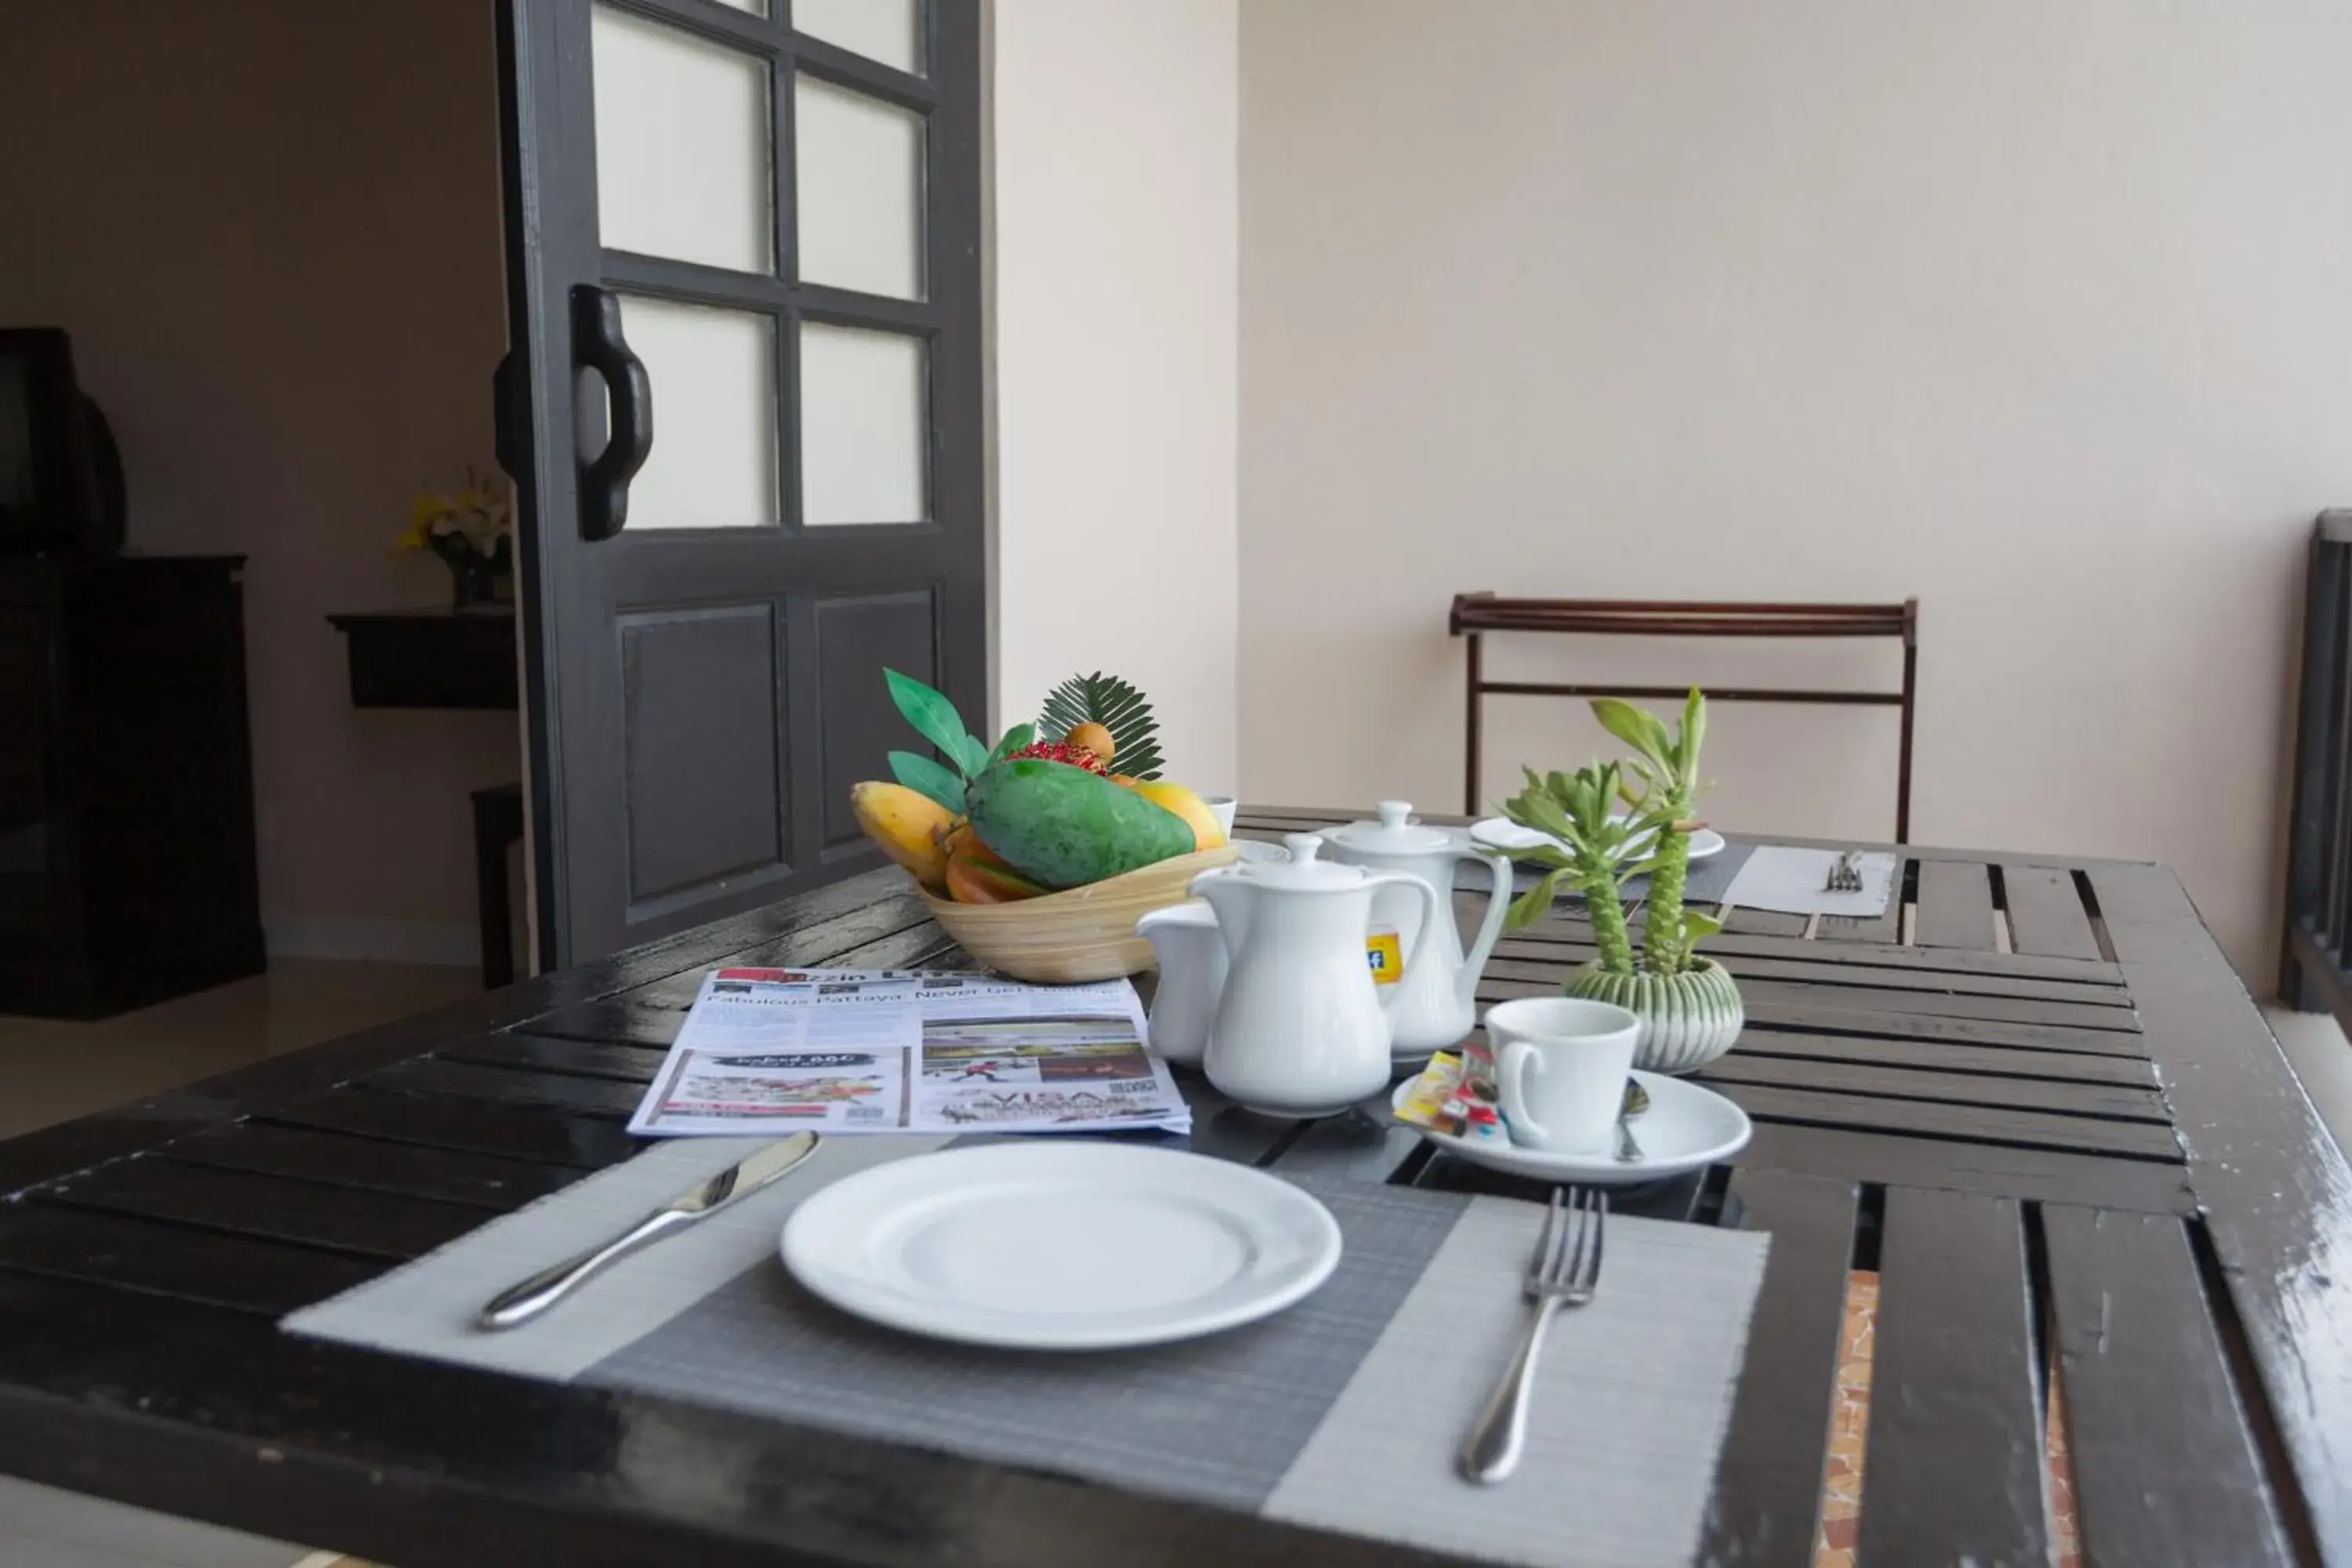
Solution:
(894, 1051)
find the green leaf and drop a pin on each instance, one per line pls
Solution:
(1535, 903)
(927, 777)
(1623, 720)
(1697, 927)
(1015, 738)
(1106, 700)
(932, 715)
(973, 756)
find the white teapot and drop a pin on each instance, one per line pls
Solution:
(1436, 1000)
(1300, 1029)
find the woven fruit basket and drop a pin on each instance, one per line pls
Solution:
(1078, 934)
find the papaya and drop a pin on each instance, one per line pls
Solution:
(976, 875)
(1175, 797)
(1064, 826)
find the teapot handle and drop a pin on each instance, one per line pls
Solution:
(1498, 905)
(1432, 907)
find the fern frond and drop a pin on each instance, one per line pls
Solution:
(1106, 700)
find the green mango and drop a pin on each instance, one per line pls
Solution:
(1064, 826)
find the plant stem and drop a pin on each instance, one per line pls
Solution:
(1600, 901)
(1664, 938)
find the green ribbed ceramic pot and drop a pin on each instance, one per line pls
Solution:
(1687, 1019)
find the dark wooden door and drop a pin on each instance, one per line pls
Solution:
(742, 407)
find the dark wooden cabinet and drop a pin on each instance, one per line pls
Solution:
(127, 867)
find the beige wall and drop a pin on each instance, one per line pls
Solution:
(272, 228)
(2036, 312)
(1114, 298)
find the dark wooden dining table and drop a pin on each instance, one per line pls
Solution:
(2034, 1099)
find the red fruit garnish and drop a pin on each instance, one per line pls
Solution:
(1061, 752)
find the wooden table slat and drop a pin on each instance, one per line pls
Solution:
(2120, 1103)
(1773, 999)
(1517, 959)
(431, 1075)
(1570, 929)
(175, 1260)
(274, 1208)
(1954, 1468)
(2046, 913)
(1955, 905)
(485, 1181)
(1976, 1123)
(2143, 1187)
(545, 1053)
(1940, 1056)
(539, 1133)
(2137, 1355)
(2276, 1189)
(1768, 1481)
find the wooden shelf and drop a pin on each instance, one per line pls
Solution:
(431, 658)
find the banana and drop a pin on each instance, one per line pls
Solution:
(911, 827)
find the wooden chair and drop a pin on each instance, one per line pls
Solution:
(1475, 615)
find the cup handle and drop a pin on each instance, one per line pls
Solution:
(1510, 1085)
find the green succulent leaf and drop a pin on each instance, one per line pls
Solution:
(927, 777)
(1697, 927)
(1106, 700)
(934, 718)
(1535, 903)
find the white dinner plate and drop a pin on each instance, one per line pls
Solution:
(1061, 1245)
(1502, 833)
(1687, 1126)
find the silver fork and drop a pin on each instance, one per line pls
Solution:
(1564, 1273)
(1845, 876)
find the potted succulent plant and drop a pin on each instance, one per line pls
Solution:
(1688, 1005)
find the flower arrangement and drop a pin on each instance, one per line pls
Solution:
(1688, 1003)
(472, 530)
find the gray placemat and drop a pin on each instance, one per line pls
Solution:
(1342, 1411)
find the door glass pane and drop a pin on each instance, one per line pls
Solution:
(714, 383)
(890, 31)
(757, 8)
(682, 145)
(859, 167)
(864, 397)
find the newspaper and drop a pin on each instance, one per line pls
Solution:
(902, 1051)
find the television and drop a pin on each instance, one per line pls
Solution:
(60, 475)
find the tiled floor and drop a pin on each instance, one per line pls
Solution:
(54, 1072)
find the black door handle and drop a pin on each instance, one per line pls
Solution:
(598, 343)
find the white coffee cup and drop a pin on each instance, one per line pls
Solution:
(1221, 808)
(1559, 1067)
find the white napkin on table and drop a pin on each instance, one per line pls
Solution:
(1777, 878)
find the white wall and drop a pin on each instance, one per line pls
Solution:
(1115, 325)
(272, 228)
(2036, 312)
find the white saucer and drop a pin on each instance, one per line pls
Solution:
(1685, 1128)
(1072, 1245)
(1502, 833)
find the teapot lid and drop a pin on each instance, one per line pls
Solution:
(1304, 872)
(1394, 833)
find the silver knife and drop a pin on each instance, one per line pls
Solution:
(521, 1302)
